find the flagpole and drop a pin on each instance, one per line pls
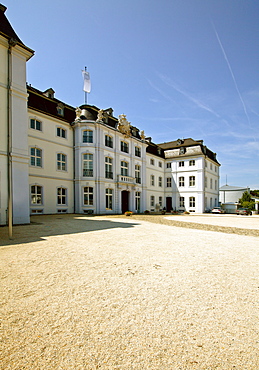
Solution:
(85, 91)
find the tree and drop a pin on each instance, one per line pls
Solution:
(246, 201)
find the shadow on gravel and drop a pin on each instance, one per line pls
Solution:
(54, 225)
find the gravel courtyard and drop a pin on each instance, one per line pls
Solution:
(128, 293)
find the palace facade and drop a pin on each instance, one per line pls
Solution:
(55, 158)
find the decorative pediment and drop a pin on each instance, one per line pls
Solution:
(124, 125)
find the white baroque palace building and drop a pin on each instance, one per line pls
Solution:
(55, 158)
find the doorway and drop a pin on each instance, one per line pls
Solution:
(168, 204)
(125, 201)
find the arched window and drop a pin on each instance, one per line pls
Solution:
(124, 168)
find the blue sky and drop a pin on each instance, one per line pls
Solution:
(176, 68)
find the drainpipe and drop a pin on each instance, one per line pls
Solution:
(12, 43)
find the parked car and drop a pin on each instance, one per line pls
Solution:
(243, 211)
(217, 210)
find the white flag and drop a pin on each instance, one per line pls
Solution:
(87, 81)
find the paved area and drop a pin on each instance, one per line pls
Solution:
(245, 222)
(120, 293)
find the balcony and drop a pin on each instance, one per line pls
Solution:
(126, 179)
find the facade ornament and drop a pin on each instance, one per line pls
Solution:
(78, 114)
(142, 135)
(124, 125)
(100, 115)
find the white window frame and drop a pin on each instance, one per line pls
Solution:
(108, 141)
(192, 202)
(124, 146)
(137, 151)
(124, 168)
(169, 182)
(36, 156)
(38, 196)
(181, 181)
(35, 124)
(192, 162)
(191, 180)
(61, 132)
(160, 181)
(109, 198)
(137, 201)
(108, 167)
(88, 195)
(181, 202)
(137, 173)
(181, 164)
(87, 136)
(152, 180)
(61, 162)
(62, 198)
(88, 165)
(152, 201)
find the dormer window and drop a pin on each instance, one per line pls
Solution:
(60, 109)
(49, 93)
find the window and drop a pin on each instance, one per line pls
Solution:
(192, 201)
(61, 162)
(216, 185)
(192, 162)
(181, 201)
(192, 181)
(169, 165)
(124, 147)
(35, 124)
(137, 151)
(124, 168)
(137, 174)
(152, 201)
(168, 182)
(88, 196)
(211, 166)
(215, 169)
(152, 180)
(181, 164)
(137, 201)
(181, 181)
(108, 197)
(108, 141)
(206, 181)
(160, 164)
(160, 201)
(108, 168)
(88, 136)
(160, 181)
(61, 132)
(62, 196)
(36, 194)
(60, 109)
(152, 161)
(88, 165)
(36, 157)
(211, 183)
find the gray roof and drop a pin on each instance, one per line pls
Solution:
(232, 188)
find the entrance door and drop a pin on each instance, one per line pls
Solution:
(168, 204)
(125, 201)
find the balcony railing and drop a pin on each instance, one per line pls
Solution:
(126, 179)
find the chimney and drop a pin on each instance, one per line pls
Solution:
(2, 8)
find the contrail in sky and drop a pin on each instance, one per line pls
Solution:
(232, 74)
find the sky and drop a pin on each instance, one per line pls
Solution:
(176, 68)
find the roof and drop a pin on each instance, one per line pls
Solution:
(7, 31)
(180, 143)
(232, 188)
(42, 103)
(188, 143)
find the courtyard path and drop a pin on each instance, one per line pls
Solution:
(125, 293)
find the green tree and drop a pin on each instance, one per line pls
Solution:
(246, 201)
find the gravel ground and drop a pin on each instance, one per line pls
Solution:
(140, 292)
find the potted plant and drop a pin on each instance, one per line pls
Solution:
(128, 213)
